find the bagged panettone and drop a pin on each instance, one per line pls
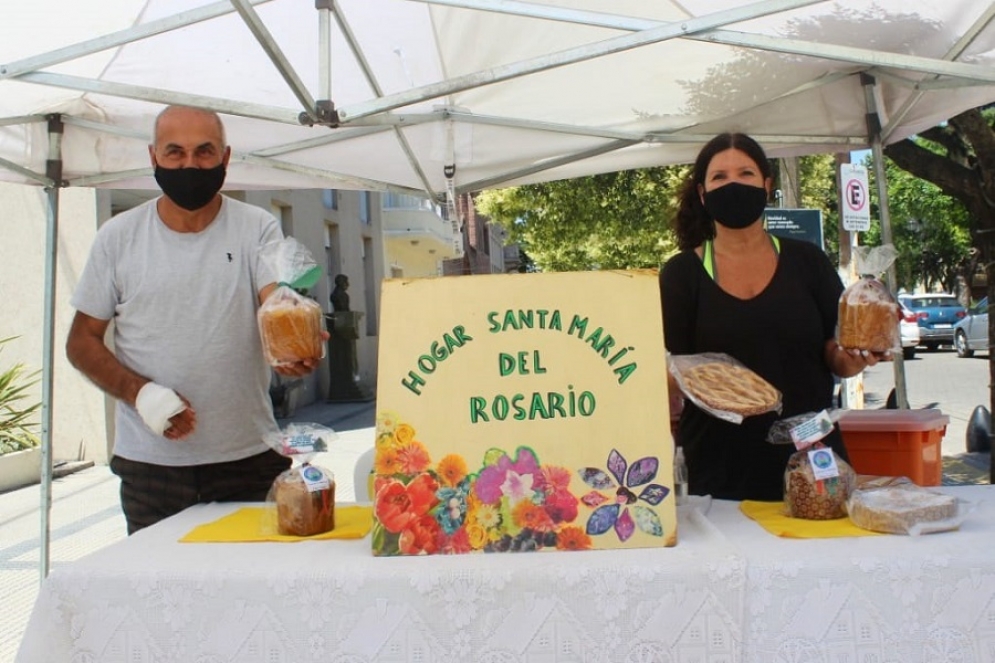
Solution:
(817, 482)
(809, 497)
(301, 501)
(305, 500)
(291, 324)
(868, 314)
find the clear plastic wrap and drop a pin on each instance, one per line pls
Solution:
(722, 386)
(868, 313)
(301, 501)
(896, 505)
(812, 498)
(787, 431)
(291, 324)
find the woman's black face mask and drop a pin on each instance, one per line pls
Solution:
(736, 205)
(190, 188)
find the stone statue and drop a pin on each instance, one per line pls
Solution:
(343, 330)
(339, 297)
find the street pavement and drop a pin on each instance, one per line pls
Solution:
(86, 515)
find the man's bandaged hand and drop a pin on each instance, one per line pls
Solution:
(157, 405)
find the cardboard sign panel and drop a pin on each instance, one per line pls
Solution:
(522, 412)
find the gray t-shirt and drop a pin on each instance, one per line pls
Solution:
(184, 311)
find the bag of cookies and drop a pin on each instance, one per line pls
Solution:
(896, 505)
(301, 501)
(817, 484)
(868, 314)
(291, 324)
(722, 386)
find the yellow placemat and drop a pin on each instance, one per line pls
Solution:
(246, 524)
(770, 516)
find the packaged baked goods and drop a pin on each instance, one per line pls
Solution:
(305, 501)
(722, 386)
(868, 314)
(301, 501)
(898, 506)
(291, 324)
(806, 494)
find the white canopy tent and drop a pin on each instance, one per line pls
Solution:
(392, 92)
(446, 96)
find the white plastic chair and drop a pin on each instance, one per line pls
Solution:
(361, 475)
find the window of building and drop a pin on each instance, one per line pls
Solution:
(285, 215)
(330, 199)
(364, 207)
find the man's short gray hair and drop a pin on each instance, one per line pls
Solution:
(173, 107)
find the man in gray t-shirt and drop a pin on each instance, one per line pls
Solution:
(182, 280)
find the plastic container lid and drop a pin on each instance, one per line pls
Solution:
(893, 420)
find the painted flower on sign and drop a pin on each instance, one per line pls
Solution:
(620, 511)
(510, 502)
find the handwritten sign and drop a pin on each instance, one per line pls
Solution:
(522, 412)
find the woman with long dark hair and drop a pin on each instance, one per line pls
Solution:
(769, 302)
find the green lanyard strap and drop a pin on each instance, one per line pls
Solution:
(708, 255)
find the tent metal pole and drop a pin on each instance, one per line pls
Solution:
(562, 58)
(955, 52)
(324, 8)
(53, 169)
(364, 65)
(859, 56)
(874, 136)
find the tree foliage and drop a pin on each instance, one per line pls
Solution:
(958, 159)
(929, 230)
(817, 177)
(611, 221)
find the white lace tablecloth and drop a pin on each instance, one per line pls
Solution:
(151, 599)
(887, 599)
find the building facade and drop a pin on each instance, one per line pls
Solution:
(364, 235)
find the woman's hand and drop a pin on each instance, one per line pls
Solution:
(846, 362)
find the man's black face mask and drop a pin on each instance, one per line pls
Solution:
(190, 188)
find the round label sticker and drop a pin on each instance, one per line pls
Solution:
(311, 473)
(822, 459)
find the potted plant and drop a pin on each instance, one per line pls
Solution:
(20, 452)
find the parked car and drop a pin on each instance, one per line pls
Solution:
(971, 333)
(937, 313)
(909, 327)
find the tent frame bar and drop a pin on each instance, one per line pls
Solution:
(371, 79)
(568, 56)
(119, 38)
(160, 96)
(313, 113)
(955, 51)
(53, 170)
(874, 124)
(855, 55)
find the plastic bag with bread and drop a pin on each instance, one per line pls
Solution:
(817, 482)
(301, 501)
(869, 316)
(291, 324)
(808, 497)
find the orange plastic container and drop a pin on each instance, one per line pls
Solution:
(896, 443)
